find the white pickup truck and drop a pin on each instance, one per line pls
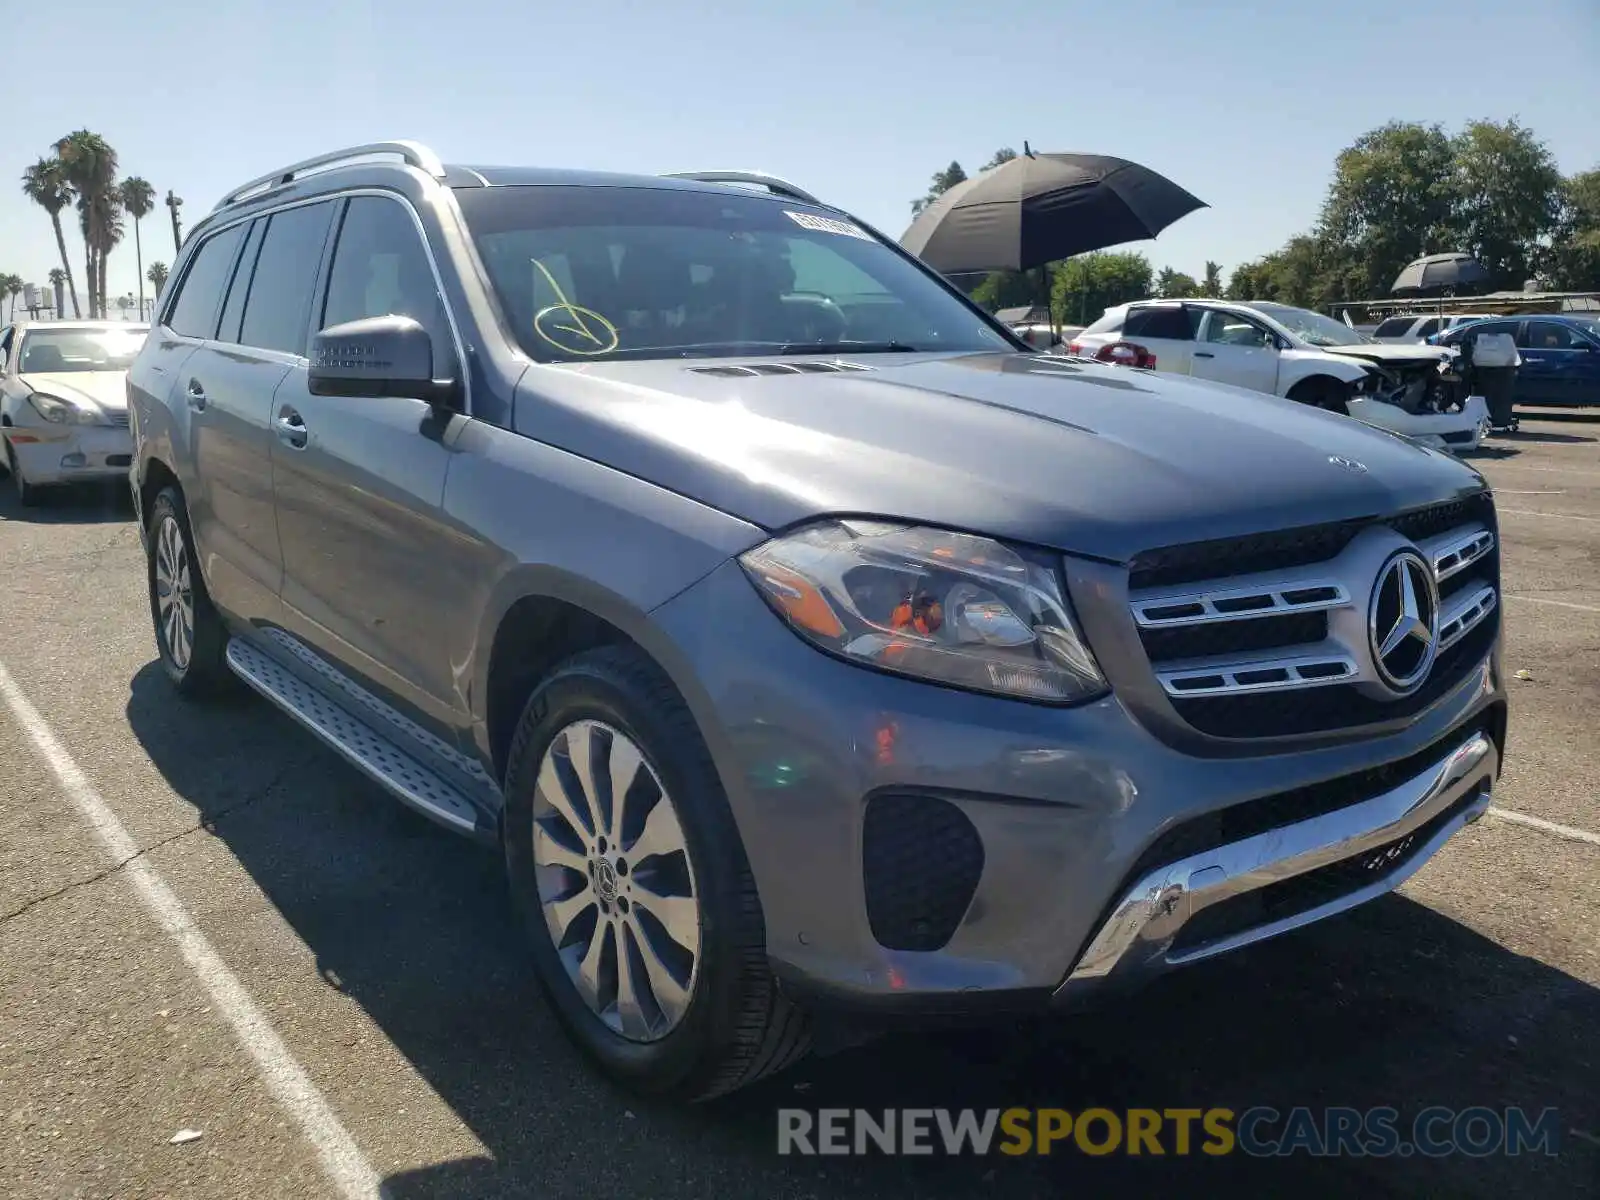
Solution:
(1298, 354)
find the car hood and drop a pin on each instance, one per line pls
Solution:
(107, 390)
(1097, 460)
(1390, 353)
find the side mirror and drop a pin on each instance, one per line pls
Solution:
(377, 356)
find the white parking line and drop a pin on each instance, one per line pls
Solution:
(1533, 512)
(1539, 823)
(1558, 603)
(285, 1078)
(1502, 465)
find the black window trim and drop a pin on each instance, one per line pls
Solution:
(1179, 306)
(188, 269)
(258, 223)
(320, 286)
(335, 204)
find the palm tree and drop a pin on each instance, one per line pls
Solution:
(12, 285)
(60, 280)
(157, 275)
(45, 183)
(90, 165)
(138, 198)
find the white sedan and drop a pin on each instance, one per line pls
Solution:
(64, 403)
(1293, 352)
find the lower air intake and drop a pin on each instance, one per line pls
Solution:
(922, 860)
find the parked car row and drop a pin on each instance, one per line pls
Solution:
(1560, 355)
(1297, 354)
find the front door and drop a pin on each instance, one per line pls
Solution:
(1558, 364)
(1234, 349)
(360, 488)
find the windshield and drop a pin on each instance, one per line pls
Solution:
(587, 273)
(1313, 327)
(59, 350)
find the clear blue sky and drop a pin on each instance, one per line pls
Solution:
(1245, 103)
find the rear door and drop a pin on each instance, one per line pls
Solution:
(368, 553)
(218, 406)
(1167, 331)
(1559, 366)
(1235, 349)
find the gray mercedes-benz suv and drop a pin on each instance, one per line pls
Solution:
(805, 641)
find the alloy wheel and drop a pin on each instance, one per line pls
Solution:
(615, 882)
(174, 592)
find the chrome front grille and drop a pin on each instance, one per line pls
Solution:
(1284, 646)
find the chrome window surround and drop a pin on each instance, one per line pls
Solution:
(1341, 588)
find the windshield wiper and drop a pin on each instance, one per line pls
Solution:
(848, 348)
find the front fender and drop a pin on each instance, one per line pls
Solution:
(1297, 365)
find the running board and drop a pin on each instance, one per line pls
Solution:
(356, 741)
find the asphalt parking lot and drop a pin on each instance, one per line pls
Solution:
(378, 953)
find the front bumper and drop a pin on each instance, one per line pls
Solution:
(1456, 432)
(1066, 806)
(57, 454)
(1288, 877)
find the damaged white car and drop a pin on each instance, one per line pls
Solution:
(1411, 389)
(64, 402)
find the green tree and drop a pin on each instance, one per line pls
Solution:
(60, 281)
(1000, 157)
(11, 285)
(1085, 286)
(941, 183)
(1572, 261)
(1175, 285)
(157, 275)
(1393, 198)
(1508, 195)
(45, 183)
(138, 198)
(90, 166)
(1211, 285)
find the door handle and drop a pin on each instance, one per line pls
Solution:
(291, 429)
(196, 396)
(1204, 354)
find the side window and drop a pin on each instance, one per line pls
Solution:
(1488, 327)
(1393, 327)
(233, 307)
(381, 269)
(194, 312)
(1427, 329)
(1230, 329)
(276, 312)
(1549, 335)
(6, 336)
(1108, 323)
(1170, 322)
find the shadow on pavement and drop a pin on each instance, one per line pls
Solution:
(78, 504)
(1391, 1005)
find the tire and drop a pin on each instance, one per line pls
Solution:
(194, 663)
(1321, 393)
(735, 1025)
(27, 494)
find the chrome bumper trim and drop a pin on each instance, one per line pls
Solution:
(1136, 939)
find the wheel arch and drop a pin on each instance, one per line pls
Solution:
(539, 617)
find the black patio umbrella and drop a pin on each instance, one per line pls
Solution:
(1039, 208)
(1440, 272)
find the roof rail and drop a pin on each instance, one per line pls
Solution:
(413, 153)
(778, 187)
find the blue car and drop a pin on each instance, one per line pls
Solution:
(1560, 355)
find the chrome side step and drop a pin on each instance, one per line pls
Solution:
(356, 741)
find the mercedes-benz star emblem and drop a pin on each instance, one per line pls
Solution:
(1403, 621)
(1349, 464)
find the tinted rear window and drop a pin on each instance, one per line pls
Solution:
(1394, 327)
(1171, 323)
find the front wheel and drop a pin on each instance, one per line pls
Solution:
(645, 926)
(190, 635)
(27, 493)
(1326, 394)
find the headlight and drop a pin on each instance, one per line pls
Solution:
(947, 607)
(63, 412)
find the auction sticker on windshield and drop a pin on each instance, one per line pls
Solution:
(828, 225)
